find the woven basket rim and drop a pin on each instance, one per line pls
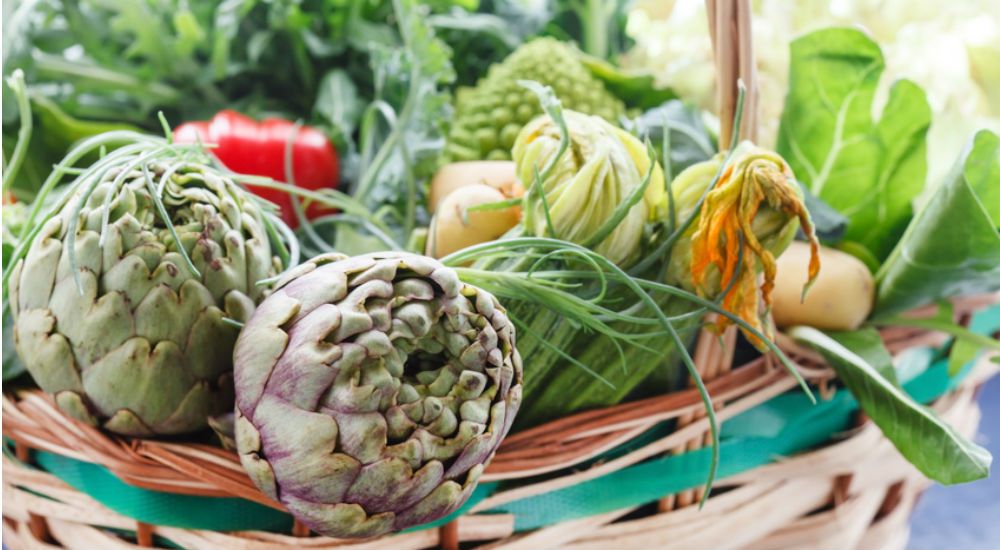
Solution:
(873, 490)
(33, 420)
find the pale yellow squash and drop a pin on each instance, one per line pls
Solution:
(840, 299)
(498, 174)
(454, 228)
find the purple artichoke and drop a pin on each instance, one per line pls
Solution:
(372, 391)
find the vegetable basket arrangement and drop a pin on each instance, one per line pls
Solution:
(448, 274)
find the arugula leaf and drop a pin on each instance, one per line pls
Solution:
(934, 447)
(483, 38)
(480, 25)
(338, 102)
(412, 104)
(953, 245)
(868, 170)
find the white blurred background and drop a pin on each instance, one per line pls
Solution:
(950, 47)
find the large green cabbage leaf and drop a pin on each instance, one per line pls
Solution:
(870, 170)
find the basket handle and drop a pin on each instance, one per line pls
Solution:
(730, 29)
(729, 25)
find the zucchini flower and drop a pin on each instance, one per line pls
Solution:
(601, 167)
(747, 220)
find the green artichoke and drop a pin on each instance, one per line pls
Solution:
(121, 315)
(602, 166)
(489, 116)
(371, 391)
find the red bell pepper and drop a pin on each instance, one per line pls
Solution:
(249, 147)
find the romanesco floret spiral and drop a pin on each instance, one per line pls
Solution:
(489, 117)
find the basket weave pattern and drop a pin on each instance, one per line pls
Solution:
(854, 492)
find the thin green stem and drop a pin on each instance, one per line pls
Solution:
(668, 176)
(16, 84)
(57, 67)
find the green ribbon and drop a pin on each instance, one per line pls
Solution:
(782, 426)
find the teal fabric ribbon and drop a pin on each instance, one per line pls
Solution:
(783, 426)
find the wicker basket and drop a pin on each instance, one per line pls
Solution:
(850, 489)
(856, 491)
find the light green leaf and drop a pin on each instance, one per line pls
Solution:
(638, 89)
(867, 344)
(962, 351)
(189, 32)
(934, 447)
(942, 321)
(869, 170)
(952, 247)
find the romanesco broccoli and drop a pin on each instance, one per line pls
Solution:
(489, 117)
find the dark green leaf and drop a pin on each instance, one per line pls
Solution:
(598, 26)
(934, 447)
(829, 224)
(860, 252)
(869, 170)
(637, 89)
(952, 247)
(690, 140)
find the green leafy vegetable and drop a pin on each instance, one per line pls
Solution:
(953, 245)
(637, 89)
(942, 321)
(867, 343)
(962, 351)
(930, 444)
(830, 224)
(411, 99)
(338, 103)
(598, 26)
(482, 38)
(870, 170)
(690, 141)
